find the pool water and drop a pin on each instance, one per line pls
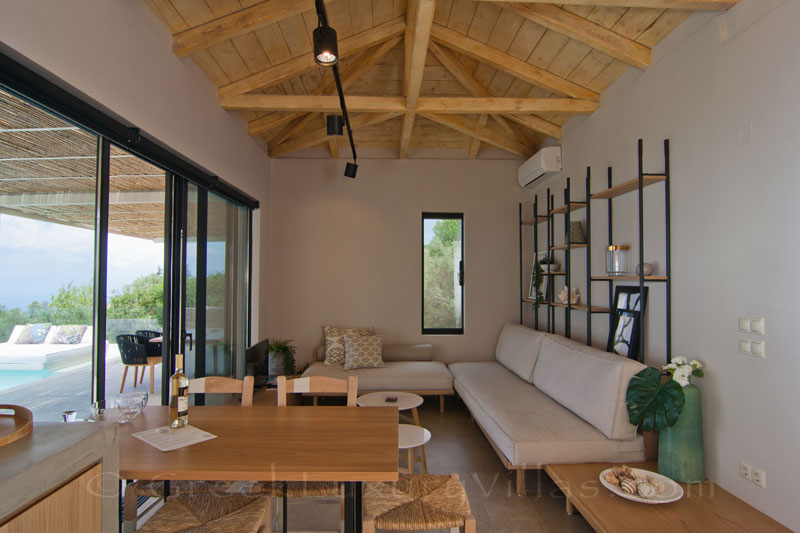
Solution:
(15, 378)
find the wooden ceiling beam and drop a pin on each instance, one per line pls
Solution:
(537, 124)
(509, 64)
(697, 5)
(317, 137)
(299, 65)
(350, 74)
(290, 130)
(237, 23)
(475, 142)
(459, 71)
(585, 31)
(396, 104)
(473, 129)
(420, 19)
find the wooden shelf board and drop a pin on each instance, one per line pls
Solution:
(564, 246)
(529, 300)
(554, 273)
(628, 186)
(628, 278)
(581, 307)
(534, 221)
(573, 206)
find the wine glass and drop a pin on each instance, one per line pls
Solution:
(100, 411)
(129, 405)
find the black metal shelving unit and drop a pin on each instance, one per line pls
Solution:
(637, 185)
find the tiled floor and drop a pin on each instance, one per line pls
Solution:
(458, 445)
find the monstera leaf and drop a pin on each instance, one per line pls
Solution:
(651, 404)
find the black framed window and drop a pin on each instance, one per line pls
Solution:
(442, 273)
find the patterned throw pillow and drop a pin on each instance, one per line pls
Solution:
(34, 334)
(69, 335)
(334, 342)
(362, 351)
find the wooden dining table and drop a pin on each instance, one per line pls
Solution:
(267, 443)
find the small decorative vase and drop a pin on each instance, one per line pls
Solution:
(276, 364)
(680, 447)
(576, 233)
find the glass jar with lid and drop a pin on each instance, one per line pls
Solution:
(617, 259)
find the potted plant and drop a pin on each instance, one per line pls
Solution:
(672, 409)
(281, 358)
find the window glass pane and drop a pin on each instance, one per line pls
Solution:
(47, 203)
(442, 291)
(135, 292)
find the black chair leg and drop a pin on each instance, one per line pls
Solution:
(285, 506)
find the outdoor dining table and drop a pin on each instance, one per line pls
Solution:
(267, 443)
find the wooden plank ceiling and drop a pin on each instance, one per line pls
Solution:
(448, 74)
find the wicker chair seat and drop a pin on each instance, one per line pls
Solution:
(307, 489)
(417, 502)
(209, 513)
(155, 489)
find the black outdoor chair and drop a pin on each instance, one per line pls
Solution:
(136, 352)
(153, 348)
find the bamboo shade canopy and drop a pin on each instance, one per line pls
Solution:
(48, 171)
(416, 50)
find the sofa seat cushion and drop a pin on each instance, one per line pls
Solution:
(394, 375)
(590, 382)
(529, 427)
(518, 348)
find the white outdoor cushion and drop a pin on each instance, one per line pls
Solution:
(589, 382)
(394, 352)
(529, 427)
(15, 333)
(517, 349)
(394, 375)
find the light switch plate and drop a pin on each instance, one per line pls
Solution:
(758, 348)
(757, 325)
(745, 347)
(744, 324)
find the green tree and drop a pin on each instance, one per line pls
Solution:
(439, 282)
(142, 298)
(72, 304)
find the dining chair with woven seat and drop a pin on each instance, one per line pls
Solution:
(134, 352)
(185, 490)
(313, 384)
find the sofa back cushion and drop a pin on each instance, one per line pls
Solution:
(589, 382)
(394, 352)
(517, 349)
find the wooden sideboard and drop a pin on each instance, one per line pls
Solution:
(61, 477)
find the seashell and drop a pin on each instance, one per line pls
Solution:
(640, 479)
(611, 479)
(646, 490)
(658, 485)
(628, 486)
(647, 268)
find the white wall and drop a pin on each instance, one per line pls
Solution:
(734, 241)
(349, 252)
(118, 53)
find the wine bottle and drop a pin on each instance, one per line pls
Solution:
(179, 396)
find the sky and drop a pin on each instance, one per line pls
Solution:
(37, 258)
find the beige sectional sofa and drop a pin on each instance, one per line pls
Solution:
(407, 367)
(546, 399)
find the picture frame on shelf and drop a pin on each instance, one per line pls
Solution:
(628, 310)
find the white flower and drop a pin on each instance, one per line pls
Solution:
(683, 381)
(670, 367)
(680, 360)
(696, 364)
(681, 375)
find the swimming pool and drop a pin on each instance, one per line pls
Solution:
(15, 378)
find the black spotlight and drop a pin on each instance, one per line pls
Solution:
(326, 51)
(335, 125)
(350, 170)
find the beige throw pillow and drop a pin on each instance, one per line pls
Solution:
(334, 342)
(362, 351)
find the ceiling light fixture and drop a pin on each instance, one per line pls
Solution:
(326, 54)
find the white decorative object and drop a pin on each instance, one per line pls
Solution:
(565, 296)
(648, 269)
(670, 492)
(682, 370)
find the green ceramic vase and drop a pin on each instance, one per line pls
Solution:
(680, 447)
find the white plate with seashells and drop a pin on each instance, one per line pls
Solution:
(640, 486)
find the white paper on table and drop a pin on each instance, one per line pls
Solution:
(167, 439)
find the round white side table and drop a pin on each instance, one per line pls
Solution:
(410, 438)
(405, 401)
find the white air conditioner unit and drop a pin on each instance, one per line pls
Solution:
(543, 163)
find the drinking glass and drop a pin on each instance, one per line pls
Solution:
(129, 405)
(100, 411)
